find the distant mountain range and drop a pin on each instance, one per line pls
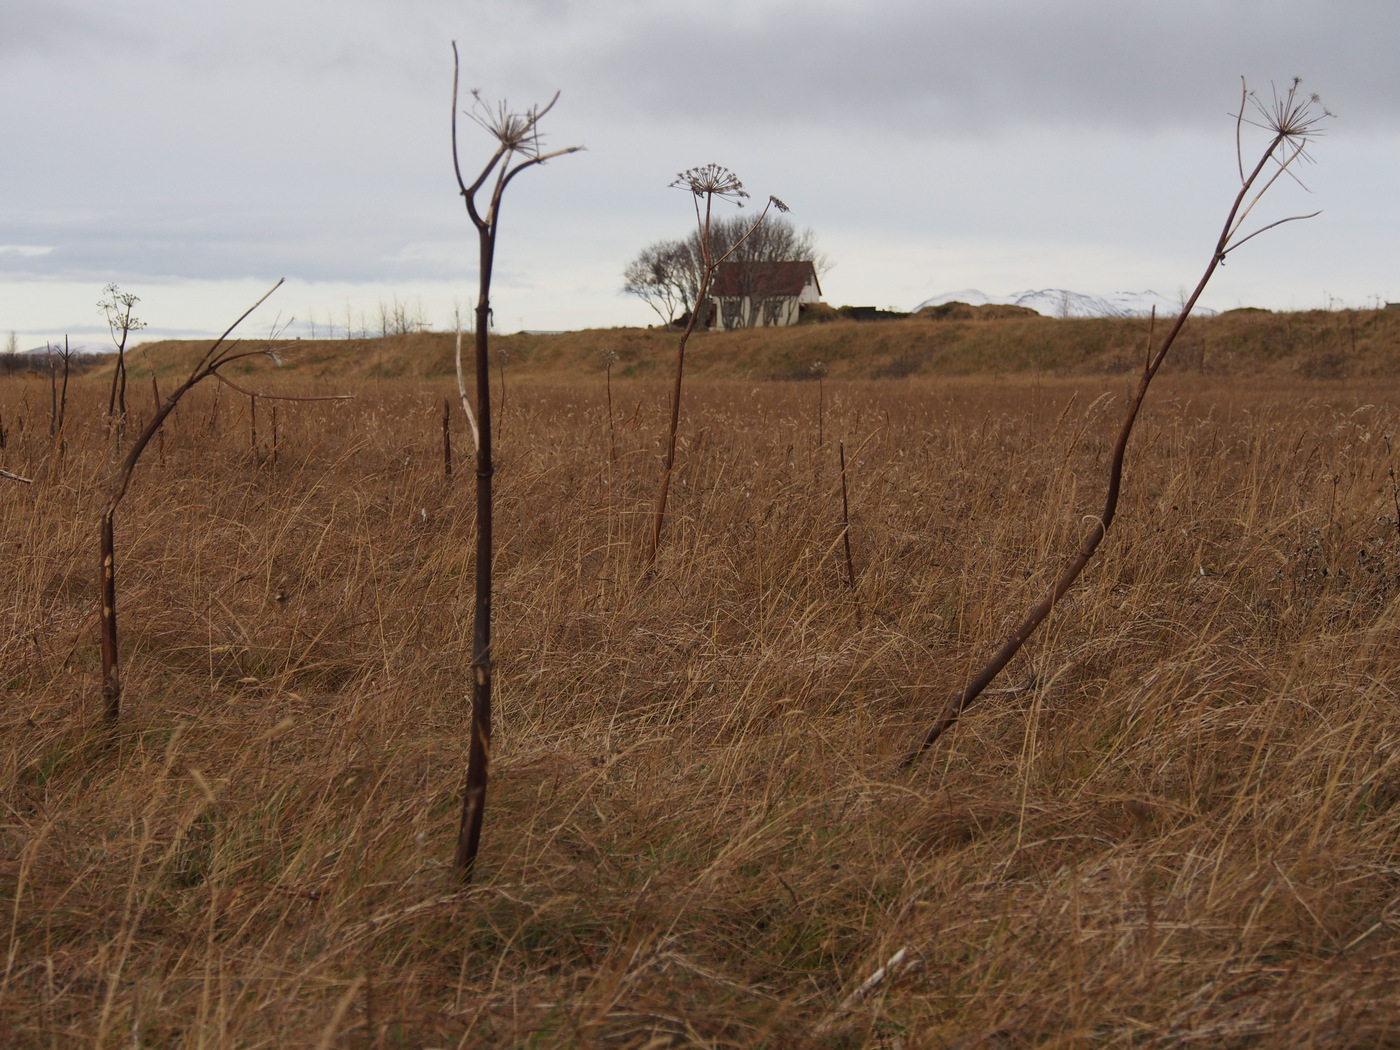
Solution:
(1057, 302)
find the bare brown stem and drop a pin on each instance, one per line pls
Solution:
(1286, 138)
(706, 183)
(517, 136)
(846, 521)
(214, 358)
(447, 439)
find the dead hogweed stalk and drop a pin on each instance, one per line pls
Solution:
(705, 183)
(215, 358)
(518, 146)
(116, 306)
(1292, 121)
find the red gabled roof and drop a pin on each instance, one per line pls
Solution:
(763, 278)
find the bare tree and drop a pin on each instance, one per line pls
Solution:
(666, 275)
(704, 183)
(116, 305)
(659, 277)
(518, 146)
(1292, 121)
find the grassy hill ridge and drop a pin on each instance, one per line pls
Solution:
(1312, 344)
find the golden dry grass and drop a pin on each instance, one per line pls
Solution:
(1173, 823)
(1317, 344)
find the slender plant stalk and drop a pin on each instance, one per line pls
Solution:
(609, 356)
(63, 391)
(53, 395)
(846, 521)
(214, 358)
(116, 307)
(155, 393)
(447, 439)
(517, 136)
(707, 183)
(1291, 122)
(501, 417)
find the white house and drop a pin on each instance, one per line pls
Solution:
(757, 294)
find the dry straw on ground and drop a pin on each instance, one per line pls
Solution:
(1176, 825)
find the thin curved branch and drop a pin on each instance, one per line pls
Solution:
(279, 397)
(456, 163)
(538, 160)
(1239, 123)
(1262, 229)
(537, 115)
(468, 192)
(209, 355)
(15, 477)
(207, 366)
(757, 223)
(1283, 166)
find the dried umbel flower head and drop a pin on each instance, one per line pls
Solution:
(1291, 115)
(712, 180)
(1292, 118)
(516, 132)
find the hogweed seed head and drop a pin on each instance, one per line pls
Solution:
(712, 180)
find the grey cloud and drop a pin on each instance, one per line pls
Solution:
(144, 243)
(31, 27)
(985, 67)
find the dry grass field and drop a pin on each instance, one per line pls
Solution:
(1173, 822)
(1316, 344)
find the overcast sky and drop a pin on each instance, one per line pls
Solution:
(195, 152)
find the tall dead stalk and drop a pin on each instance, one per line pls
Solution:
(518, 146)
(214, 358)
(846, 523)
(704, 183)
(116, 308)
(447, 439)
(1291, 121)
(609, 358)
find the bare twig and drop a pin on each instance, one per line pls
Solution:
(891, 969)
(15, 477)
(263, 395)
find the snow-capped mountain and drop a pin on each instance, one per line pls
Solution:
(1057, 302)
